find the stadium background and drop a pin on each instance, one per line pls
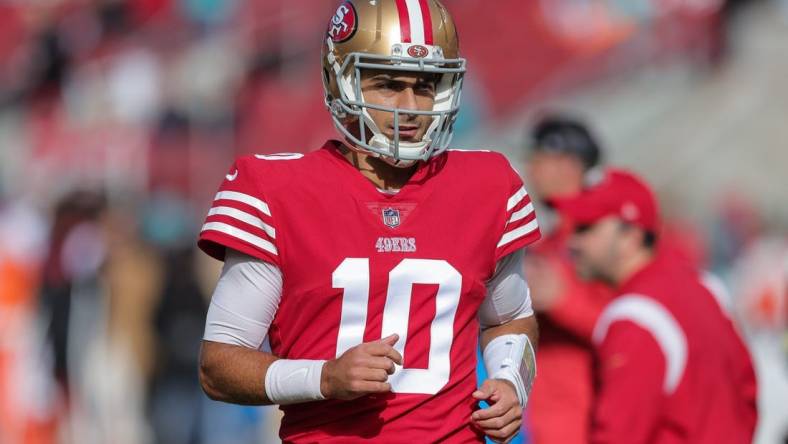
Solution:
(119, 118)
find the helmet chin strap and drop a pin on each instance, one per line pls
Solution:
(382, 142)
(398, 163)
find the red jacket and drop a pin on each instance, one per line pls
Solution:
(672, 368)
(559, 408)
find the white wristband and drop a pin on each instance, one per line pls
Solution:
(292, 381)
(511, 357)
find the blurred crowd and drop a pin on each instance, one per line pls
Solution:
(101, 330)
(118, 119)
(139, 95)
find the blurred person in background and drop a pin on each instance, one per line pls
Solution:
(92, 313)
(179, 412)
(75, 253)
(178, 319)
(563, 156)
(313, 243)
(670, 365)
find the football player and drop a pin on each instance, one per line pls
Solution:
(376, 264)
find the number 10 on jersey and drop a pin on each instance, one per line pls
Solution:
(353, 276)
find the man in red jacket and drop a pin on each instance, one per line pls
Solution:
(671, 367)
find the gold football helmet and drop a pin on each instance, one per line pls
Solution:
(401, 35)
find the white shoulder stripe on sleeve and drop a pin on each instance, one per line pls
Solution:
(240, 234)
(244, 217)
(244, 198)
(522, 213)
(516, 198)
(653, 317)
(518, 233)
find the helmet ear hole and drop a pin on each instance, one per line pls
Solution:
(327, 82)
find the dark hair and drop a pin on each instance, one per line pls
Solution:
(649, 239)
(563, 134)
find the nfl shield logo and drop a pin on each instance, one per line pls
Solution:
(391, 217)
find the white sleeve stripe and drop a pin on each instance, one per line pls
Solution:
(658, 322)
(241, 235)
(516, 198)
(243, 217)
(518, 233)
(522, 213)
(244, 198)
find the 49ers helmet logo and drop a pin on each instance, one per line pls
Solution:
(344, 23)
(418, 51)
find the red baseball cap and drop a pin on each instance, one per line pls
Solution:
(619, 193)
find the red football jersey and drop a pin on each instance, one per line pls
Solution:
(359, 265)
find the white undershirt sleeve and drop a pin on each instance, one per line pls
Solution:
(510, 356)
(508, 297)
(244, 302)
(242, 308)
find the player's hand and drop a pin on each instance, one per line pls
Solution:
(361, 370)
(502, 419)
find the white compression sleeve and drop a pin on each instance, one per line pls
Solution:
(508, 297)
(244, 302)
(242, 308)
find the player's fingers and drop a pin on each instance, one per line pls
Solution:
(375, 374)
(382, 362)
(485, 391)
(504, 434)
(380, 349)
(499, 422)
(381, 344)
(493, 411)
(390, 340)
(480, 395)
(373, 387)
(394, 356)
